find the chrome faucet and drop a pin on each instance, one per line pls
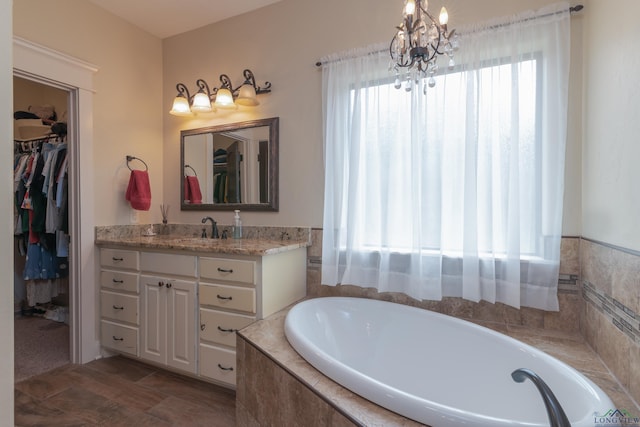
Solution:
(214, 227)
(556, 414)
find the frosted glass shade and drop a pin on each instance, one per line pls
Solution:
(224, 100)
(180, 107)
(247, 96)
(201, 103)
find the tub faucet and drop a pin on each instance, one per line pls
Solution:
(556, 414)
(214, 227)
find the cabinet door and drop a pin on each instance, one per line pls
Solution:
(181, 318)
(153, 316)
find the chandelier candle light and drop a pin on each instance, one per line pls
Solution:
(185, 105)
(418, 42)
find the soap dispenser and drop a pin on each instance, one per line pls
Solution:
(237, 225)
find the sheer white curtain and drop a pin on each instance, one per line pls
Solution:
(457, 192)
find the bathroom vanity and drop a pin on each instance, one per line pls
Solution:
(177, 302)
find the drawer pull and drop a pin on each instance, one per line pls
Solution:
(168, 285)
(222, 270)
(117, 281)
(115, 307)
(114, 259)
(221, 329)
(225, 369)
(160, 284)
(224, 298)
(117, 339)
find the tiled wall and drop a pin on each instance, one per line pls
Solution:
(610, 320)
(566, 319)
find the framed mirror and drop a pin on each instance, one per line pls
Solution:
(230, 166)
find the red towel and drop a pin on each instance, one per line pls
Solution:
(139, 190)
(192, 190)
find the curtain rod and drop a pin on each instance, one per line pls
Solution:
(572, 9)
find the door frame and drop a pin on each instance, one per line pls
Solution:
(47, 66)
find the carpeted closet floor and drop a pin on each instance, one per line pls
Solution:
(40, 345)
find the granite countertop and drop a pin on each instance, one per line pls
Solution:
(198, 244)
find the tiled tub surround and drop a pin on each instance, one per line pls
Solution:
(281, 388)
(610, 321)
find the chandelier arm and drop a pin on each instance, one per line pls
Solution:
(204, 87)
(399, 62)
(183, 91)
(225, 83)
(250, 79)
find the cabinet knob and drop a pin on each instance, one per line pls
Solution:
(115, 307)
(225, 369)
(168, 285)
(160, 284)
(203, 327)
(224, 298)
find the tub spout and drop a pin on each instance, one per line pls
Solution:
(556, 414)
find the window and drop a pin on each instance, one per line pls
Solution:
(457, 192)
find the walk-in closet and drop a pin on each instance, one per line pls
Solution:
(41, 228)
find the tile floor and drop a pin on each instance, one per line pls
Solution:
(118, 391)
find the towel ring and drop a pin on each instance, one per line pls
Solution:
(130, 158)
(190, 167)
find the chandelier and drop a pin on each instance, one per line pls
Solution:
(418, 43)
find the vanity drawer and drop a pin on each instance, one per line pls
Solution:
(230, 297)
(119, 258)
(119, 337)
(232, 270)
(119, 307)
(218, 364)
(173, 264)
(220, 327)
(119, 281)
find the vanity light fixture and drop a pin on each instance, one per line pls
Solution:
(418, 42)
(246, 94)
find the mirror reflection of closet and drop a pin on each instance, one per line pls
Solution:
(41, 286)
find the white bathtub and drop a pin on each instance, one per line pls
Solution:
(433, 368)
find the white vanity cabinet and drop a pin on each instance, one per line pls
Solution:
(168, 309)
(181, 308)
(119, 300)
(234, 292)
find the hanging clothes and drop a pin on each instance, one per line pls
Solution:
(40, 184)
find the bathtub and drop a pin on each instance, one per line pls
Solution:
(432, 368)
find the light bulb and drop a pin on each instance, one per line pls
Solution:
(410, 7)
(180, 106)
(247, 96)
(444, 16)
(224, 100)
(201, 103)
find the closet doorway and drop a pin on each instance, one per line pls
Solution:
(44, 65)
(41, 228)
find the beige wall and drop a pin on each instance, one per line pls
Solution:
(128, 99)
(611, 200)
(281, 43)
